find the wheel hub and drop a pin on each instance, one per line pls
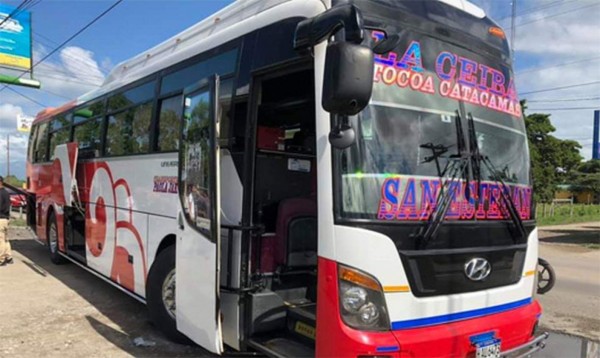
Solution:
(168, 293)
(53, 238)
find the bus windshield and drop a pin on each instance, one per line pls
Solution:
(420, 90)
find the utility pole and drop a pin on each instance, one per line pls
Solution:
(7, 155)
(513, 18)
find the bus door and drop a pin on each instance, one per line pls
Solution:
(198, 247)
(68, 156)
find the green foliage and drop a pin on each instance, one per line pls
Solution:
(14, 181)
(17, 222)
(587, 177)
(553, 160)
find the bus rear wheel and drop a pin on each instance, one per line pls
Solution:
(52, 237)
(160, 295)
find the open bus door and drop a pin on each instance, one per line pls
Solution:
(67, 155)
(198, 248)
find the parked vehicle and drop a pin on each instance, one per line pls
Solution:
(17, 200)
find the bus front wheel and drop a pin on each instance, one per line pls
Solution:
(160, 295)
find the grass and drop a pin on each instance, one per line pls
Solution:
(17, 222)
(562, 214)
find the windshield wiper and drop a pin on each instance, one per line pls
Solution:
(458, 169)
(436, 153)
(476, 160)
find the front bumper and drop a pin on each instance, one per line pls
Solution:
(513, 327)
(527, 349)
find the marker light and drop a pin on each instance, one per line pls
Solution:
(496, 31)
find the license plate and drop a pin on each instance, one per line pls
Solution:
(486, 345)
(488, 349)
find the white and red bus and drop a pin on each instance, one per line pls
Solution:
(306, 177)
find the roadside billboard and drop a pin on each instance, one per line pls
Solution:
(15, 38)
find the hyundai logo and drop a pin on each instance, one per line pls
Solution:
(477, 269)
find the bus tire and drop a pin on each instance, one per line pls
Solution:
(159, 288)
(52, 238)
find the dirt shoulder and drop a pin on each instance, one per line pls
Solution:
(50, 310)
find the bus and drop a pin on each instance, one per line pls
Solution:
(306, 178)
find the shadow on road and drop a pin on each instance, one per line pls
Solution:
(571, 236)
(130, 317)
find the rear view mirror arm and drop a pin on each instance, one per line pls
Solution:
(312, 31)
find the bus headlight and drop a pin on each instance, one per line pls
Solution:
(362, 304)
(353, 297)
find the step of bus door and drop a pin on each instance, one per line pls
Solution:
(281, 346)
(301, 322)
(297, 341)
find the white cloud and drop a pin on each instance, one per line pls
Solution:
(8, 116)
(81, 64)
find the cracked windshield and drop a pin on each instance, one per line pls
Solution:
(425, 90)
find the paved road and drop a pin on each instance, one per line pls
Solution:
(573, 305)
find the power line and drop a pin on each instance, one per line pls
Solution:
(71, 37)
(559, 88)
(78, 60)
(70, 75)
(56, 94)
(564, 100)
(561, 109)
(537, 9)
(65, 79)
(555, 15)
(535, 69)
(27, 97)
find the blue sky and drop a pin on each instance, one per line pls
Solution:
(548, 33)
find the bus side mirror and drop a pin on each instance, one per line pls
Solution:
(348, 80)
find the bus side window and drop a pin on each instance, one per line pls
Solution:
(87, 135)
(225, 109)
(61, 136)
(223, 64)
(128, 132)
(32, 142)
(168, 124)
(41, 146)
(60, 133)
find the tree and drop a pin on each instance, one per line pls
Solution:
(587, 177)
(14, 181)
(552, 160)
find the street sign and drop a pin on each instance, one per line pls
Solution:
(24, 123)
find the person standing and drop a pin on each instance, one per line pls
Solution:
(5, 252)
